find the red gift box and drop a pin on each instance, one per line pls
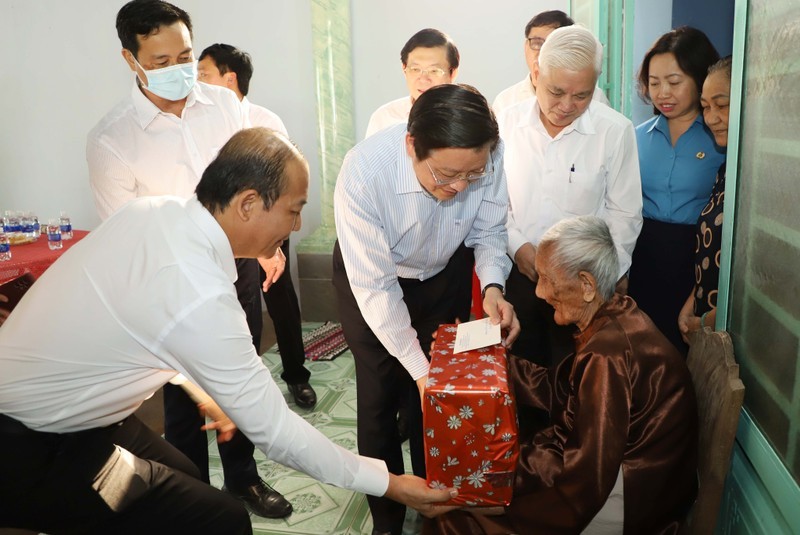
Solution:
(470, 423)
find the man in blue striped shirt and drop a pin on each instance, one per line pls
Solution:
(412, 206)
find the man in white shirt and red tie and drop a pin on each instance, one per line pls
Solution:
(566, 155)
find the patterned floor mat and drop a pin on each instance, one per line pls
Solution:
(326, 342)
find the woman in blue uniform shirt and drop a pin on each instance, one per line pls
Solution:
(678, 162)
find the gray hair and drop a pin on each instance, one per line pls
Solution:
(584, 243)
(573, 48)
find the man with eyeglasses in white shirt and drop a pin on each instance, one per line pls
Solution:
(410, 203)
(429, 58)
(536, 31)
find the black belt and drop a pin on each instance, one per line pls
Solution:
(11, 427)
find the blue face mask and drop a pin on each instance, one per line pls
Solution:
(171, 83)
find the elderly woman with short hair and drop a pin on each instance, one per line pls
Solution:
(620, 453)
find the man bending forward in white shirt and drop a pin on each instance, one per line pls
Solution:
(147, 295)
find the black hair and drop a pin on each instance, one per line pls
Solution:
(431, 38)
(144, 17)
(254, 158)
(451, 116)
(228, 58)
(555, 18)
(692, 50)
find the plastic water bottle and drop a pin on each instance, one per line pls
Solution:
(37, 227)
(66, 226)
(13, 227)
(5, 247)
(54, 235)
(7, 221)
(26, 225)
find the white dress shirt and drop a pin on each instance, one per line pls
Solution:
(261, 116)
(137, 150)
(524, 90)
(389, 226)
(146, 295)
(391, 113)
(590, 168)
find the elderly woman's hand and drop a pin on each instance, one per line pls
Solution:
(501, 311)
(687, 321)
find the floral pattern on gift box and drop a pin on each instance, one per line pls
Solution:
(470, 423)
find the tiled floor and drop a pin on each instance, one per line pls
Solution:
(318, 508)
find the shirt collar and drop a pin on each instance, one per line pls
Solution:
(615, 306)
(583, 124)
(146, 111)
(216, 236)
(662, 125)
(408, 182)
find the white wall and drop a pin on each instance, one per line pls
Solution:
(489, 36)
(62, 71)
(652, 19)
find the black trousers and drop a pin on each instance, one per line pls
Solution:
(284, 310)
(662, 274)
(383, 384)
(86, 482)
(182, 420)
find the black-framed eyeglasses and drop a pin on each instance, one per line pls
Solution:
(535, 43)
(433, 72)
(469, 176)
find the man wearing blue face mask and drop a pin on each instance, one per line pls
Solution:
(158, 141)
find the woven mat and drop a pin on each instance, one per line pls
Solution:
(326, 342)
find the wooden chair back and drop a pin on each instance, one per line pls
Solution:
(720, 394)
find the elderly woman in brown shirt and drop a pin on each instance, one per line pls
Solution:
(620, 453)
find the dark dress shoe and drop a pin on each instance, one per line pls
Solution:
(303, 394)
(262, 500)
(376, 532)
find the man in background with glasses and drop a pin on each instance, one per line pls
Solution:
(536, 31)
(429, 58)
(411, 203)
(227, 66)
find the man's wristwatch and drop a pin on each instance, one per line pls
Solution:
(493, 285)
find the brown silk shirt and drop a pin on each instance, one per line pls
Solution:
(624, 398)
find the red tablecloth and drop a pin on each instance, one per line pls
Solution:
(35, 258)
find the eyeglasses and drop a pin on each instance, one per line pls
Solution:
(535, 43)
(416, 72)
(469, 176)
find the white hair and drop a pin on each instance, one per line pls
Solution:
(572, 48)
(584, 243)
